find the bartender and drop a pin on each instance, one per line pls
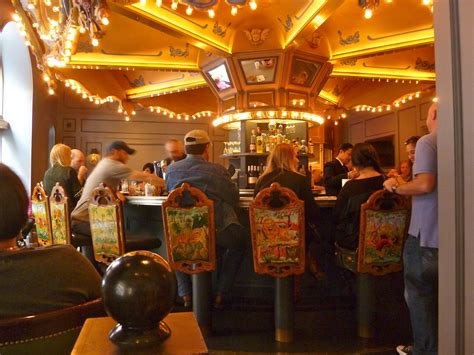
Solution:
(174, 152)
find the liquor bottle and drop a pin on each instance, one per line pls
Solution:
(303, 148)
(310, 146)
(266, 143)
(259, 144)
(252, 177)
(253, 145)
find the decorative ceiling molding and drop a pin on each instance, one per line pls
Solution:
(371, 38)
(385, 67)
(167, 22)
(160, 53)
(351, 39)
(384, 74)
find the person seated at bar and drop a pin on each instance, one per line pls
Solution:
(78, 163)
(355, 192)
(62, 172)
(148, 168)
(335, 171)
(410, 145)
(174, 150)
(282, 168)
(403, 174)
(214, 180)
(111, 171)
(36, 280)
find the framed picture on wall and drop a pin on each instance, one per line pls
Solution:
(69, 125)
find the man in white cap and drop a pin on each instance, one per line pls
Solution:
(214, 180)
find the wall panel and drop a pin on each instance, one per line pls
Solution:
(85, 126)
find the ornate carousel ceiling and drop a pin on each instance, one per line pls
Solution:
(190, 58)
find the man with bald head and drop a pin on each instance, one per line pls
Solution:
(175, 150)
(420, 255)
(78, 163)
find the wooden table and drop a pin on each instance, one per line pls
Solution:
(185, 338)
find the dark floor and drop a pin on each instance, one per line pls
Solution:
(321, 327)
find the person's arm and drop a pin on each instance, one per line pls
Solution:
(153, 179)
(422, 184)
(424, 171)
(331, 180)
(82, 174)
(76, 187)
(229, 190)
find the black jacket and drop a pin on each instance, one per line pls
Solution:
(333, 174)
(300, 186)
(347, 209)
(67, 178)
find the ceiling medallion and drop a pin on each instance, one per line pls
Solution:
(257, 36)
(204, 5)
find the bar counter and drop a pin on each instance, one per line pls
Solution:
(245, 200)
(143, 214)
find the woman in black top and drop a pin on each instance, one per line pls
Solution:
(61, 171)
(356, 192)
(281, 167)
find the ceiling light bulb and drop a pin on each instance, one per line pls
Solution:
(46, 77)
(95, 42)
(159, 3)
(388, 1)
(233, 11)
(189, 11)
(211, 13)
(127, 118)
(174, 5)
(51, 91)
(105, 21)
(368, 13)
(426, 2)
(336, 123)
(67, 52)
(143, 2)
(27, 43)
(82, 30)
(31, 6)
(253, 5)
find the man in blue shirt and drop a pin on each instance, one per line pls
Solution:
(420, 255)
(215, 182)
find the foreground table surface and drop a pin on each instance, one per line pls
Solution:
(185, 337)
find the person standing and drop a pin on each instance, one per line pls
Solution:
(335, 171)
(78, 163)
(214, 180)
(420, 255)
(110, 171)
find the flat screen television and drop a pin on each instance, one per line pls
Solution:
(220, 78)
(386, 151)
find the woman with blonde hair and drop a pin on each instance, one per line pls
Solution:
(282, 168)
(61, 171)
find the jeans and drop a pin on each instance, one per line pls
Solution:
(230, 245)
(421, 294)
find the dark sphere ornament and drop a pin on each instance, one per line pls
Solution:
(138, 291)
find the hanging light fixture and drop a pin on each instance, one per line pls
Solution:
(209, 6)
(369, 7)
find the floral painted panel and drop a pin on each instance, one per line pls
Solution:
(41, 222)
(384, 235)
(58, 223)
(188, 233)
(277, 236)
(105, 238)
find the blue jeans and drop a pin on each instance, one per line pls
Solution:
(230, 245)
(421, 294)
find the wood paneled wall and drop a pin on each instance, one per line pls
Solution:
(84, 125)
(406, 121)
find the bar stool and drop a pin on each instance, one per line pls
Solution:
(188, 217)
(277, 228)
(384, 222)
